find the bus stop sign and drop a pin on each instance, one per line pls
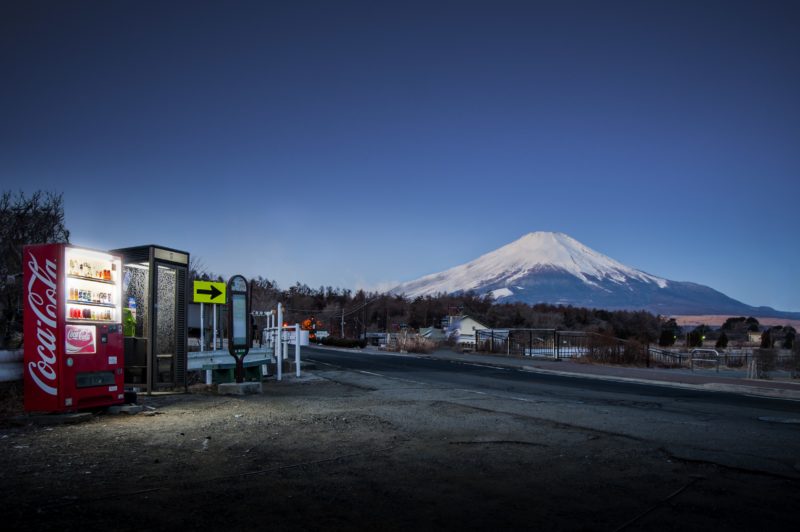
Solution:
(238, 322)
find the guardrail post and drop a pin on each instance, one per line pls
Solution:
(297, 349)
(278, 350)
(557, 344)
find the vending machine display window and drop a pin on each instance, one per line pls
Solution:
(92, 286)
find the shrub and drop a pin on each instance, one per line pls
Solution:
(344, 342)
(796, 360)
(412, 343)
(667, 338)
(766, 359)
(789, 340)
(607, 350)
(766, 340)
(695, 338)
(722, 341)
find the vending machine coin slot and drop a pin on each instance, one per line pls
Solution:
(96, 378)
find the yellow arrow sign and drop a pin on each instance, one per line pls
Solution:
(209, 292)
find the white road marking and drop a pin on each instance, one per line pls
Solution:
(321, 362)
(370, 373)
(484, 366)
(498, 396)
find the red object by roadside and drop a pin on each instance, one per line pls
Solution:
(73, 348)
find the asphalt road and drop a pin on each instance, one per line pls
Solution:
(746, 433)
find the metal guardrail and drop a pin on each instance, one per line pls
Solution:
(705, 355)
(11, 365)
(667, 358)
(11, 361)
(557, 344)
(551, 343)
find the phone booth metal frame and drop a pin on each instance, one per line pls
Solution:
(155, 305)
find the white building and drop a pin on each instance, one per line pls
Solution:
(461, 330)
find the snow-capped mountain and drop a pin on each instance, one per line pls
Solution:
(555, 268)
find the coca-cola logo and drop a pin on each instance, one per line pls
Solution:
(80, 339)
(79, 336)
(43, 302)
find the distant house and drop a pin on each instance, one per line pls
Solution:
(754, 337)
(461, 330)
(377, 338)
(432, 333)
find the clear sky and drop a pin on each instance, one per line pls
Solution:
(357, 144)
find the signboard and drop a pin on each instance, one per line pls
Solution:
(210, 292)
(291, 336)
(81, 339)
(171, 255)
(239, 322)
(239, 319)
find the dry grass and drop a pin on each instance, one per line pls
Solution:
(411, 343)
(611, 351)
(716, 320)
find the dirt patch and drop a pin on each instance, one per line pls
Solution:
(325, 456)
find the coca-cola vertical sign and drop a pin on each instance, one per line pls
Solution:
(42, 277)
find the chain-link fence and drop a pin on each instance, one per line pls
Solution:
(559, 344)
(594, 347)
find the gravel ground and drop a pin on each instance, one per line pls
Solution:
(322, 455)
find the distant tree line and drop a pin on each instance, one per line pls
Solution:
(350, 314)
(735, 329)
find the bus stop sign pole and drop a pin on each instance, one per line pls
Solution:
(239, 333)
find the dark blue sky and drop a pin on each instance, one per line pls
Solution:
(356, 144)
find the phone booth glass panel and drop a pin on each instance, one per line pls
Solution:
(155, 295)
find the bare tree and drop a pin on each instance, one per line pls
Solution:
(38, 219)
(197, 269)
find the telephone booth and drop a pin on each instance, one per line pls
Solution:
(154, 311)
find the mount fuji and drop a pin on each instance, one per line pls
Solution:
(545, 267)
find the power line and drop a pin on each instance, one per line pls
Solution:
(337, 312)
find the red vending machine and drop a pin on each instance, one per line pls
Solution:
(74, 355)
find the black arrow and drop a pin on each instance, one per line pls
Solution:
(213, 292)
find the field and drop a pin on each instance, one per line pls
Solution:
(716, 320)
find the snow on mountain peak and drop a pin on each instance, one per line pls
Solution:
(559, 251)
(540, 250)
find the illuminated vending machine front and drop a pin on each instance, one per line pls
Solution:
(73, 328)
